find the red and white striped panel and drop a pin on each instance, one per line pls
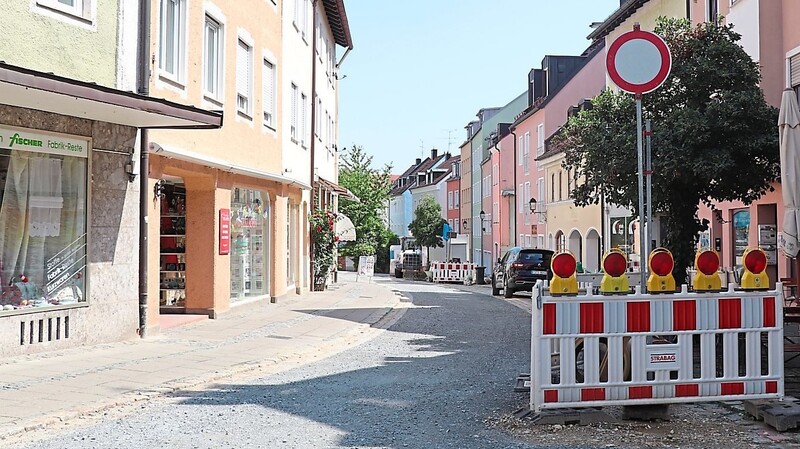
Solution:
(620, 316)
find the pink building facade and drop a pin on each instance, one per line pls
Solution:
(453, 206)
(770, 36)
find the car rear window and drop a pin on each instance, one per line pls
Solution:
(534, 257)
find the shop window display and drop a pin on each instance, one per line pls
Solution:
(42, 225)
(172, 278)
(250, 215)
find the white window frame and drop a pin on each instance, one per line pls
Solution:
(520, 142)
(244, 97)
(303, 120)
(179, 28)
(77, 9)
(216, 93)
(526, 196)
(456, 203)
(708, 5)
(318, 119)
(449, 200)
(269, 77)
(293, 124)
(526, 153)
(540, 139)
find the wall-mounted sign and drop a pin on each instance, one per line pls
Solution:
(27, 140)
(224, 232)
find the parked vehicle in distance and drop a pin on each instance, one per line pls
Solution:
(519, 269)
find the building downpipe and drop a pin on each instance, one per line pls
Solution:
(516, 198)
(312, 147)
(143, 88)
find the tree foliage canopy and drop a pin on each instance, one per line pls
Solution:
(371, 186)
(427, 225)
(714, 136)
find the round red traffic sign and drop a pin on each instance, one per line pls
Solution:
(638, 61)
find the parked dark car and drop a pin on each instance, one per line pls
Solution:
(519, 269)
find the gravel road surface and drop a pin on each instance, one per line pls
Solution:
(439, 377)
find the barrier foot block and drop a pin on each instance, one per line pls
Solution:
(782, 415)
(646, 412)
(523, 383)
(580, 416)
(756, 407)
(522, 413)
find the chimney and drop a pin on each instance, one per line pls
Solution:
(434, 153)
(419, 161)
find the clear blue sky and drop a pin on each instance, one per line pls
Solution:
(422, 68)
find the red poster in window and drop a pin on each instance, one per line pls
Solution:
(224, 231)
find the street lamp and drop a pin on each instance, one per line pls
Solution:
(481, 271)
(532, 206)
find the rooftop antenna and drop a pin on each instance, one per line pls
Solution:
(421, 148)
(450, 139)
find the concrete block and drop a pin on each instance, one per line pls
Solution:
(755, 407)
(782, 415)
(579, 416)
(646, 412)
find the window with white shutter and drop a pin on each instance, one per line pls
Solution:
(318, 119)
(212, 82)
(526, 151)
(520, 142)
(527, 199)
(268, 93)
(540, 139)
(244, 79)
(304, 27)
(542, 200)
(303, 127)
(293, 123)
(794, 70)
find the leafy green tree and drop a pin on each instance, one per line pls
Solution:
(382, 256)
(714, 136)
(427, 225)
(371, 186)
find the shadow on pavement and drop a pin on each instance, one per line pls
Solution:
(431, 381)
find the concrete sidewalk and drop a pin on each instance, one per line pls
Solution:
(40, 390)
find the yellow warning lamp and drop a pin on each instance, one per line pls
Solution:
(563, 265)
(755, 266)
(614, 281)
(706, 279)
(661, 264)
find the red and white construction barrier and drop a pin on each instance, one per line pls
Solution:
(592, 350)
(451, 271)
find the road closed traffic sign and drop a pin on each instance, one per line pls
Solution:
(638, 61)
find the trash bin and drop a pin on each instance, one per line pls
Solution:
(480, 273)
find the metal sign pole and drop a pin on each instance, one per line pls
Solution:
(640, 156)
(649, 183)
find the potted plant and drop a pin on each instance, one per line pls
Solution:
(324, 239)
